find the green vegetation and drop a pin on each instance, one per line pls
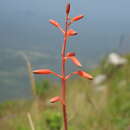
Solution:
(91, 107)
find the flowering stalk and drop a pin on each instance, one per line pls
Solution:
(67, 32)
(63, 80)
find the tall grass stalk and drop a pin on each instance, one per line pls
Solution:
(30, 121)
(31, 77)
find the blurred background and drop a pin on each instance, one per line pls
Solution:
(28, 41)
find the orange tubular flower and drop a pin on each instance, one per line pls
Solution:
(75, 61)
(84, 74)
(46, 71)
(71, 32)
(77, 18)
(57, 99)
(55, 23)
(80, 73)
(42, 71)
(72, 57)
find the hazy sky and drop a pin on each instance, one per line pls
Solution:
(24, 25)
(25, 22)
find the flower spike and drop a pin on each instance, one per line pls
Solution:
(67, 32)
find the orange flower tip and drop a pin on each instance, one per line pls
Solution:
(55, 99)
(55, 23)
(71, 32)
(69, 54)
(65, 58)
(80, 65)
(90, 77)
(42, 71)
(77, 18)
(68, 8)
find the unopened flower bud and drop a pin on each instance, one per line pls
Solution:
(67, 8)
